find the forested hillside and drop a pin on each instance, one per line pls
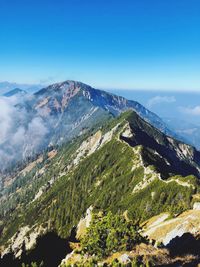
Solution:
(124, 166)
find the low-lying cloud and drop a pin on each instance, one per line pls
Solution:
(21, 135)
(194, 111)
(159, 100)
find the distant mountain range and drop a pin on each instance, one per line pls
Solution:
(5, 87)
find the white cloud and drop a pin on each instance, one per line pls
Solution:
(195, 111)
(6, 111)
(20, 135)
(159, 100)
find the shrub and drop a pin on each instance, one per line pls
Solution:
(109, 234)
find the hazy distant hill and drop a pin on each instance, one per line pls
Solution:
(5, 87)
(14, 92)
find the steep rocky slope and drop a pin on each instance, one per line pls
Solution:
(163, 229)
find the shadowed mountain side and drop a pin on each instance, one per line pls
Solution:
(167, 154)
(50, 250)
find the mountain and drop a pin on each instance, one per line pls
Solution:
(122, 165)
(56, 98)
(5, 87)
(15, 92)
(70, 107)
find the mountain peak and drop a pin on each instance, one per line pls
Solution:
(67, 85)
(59, 96)
(16, 91)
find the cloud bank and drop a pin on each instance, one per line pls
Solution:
(159, 100)
(194, 111)
(21, 136)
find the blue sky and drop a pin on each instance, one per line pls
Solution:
(125, 44)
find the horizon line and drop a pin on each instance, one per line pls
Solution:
(178, 90)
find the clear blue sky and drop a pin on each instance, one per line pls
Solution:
(150, 44)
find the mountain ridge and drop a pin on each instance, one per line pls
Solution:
(16, 91)
(120, 164)
(93, 95)
(119, 136)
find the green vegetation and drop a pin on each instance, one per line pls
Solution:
(109, 234)
(116, 263)
(160, 196)
(33, 264)
(105, 180)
